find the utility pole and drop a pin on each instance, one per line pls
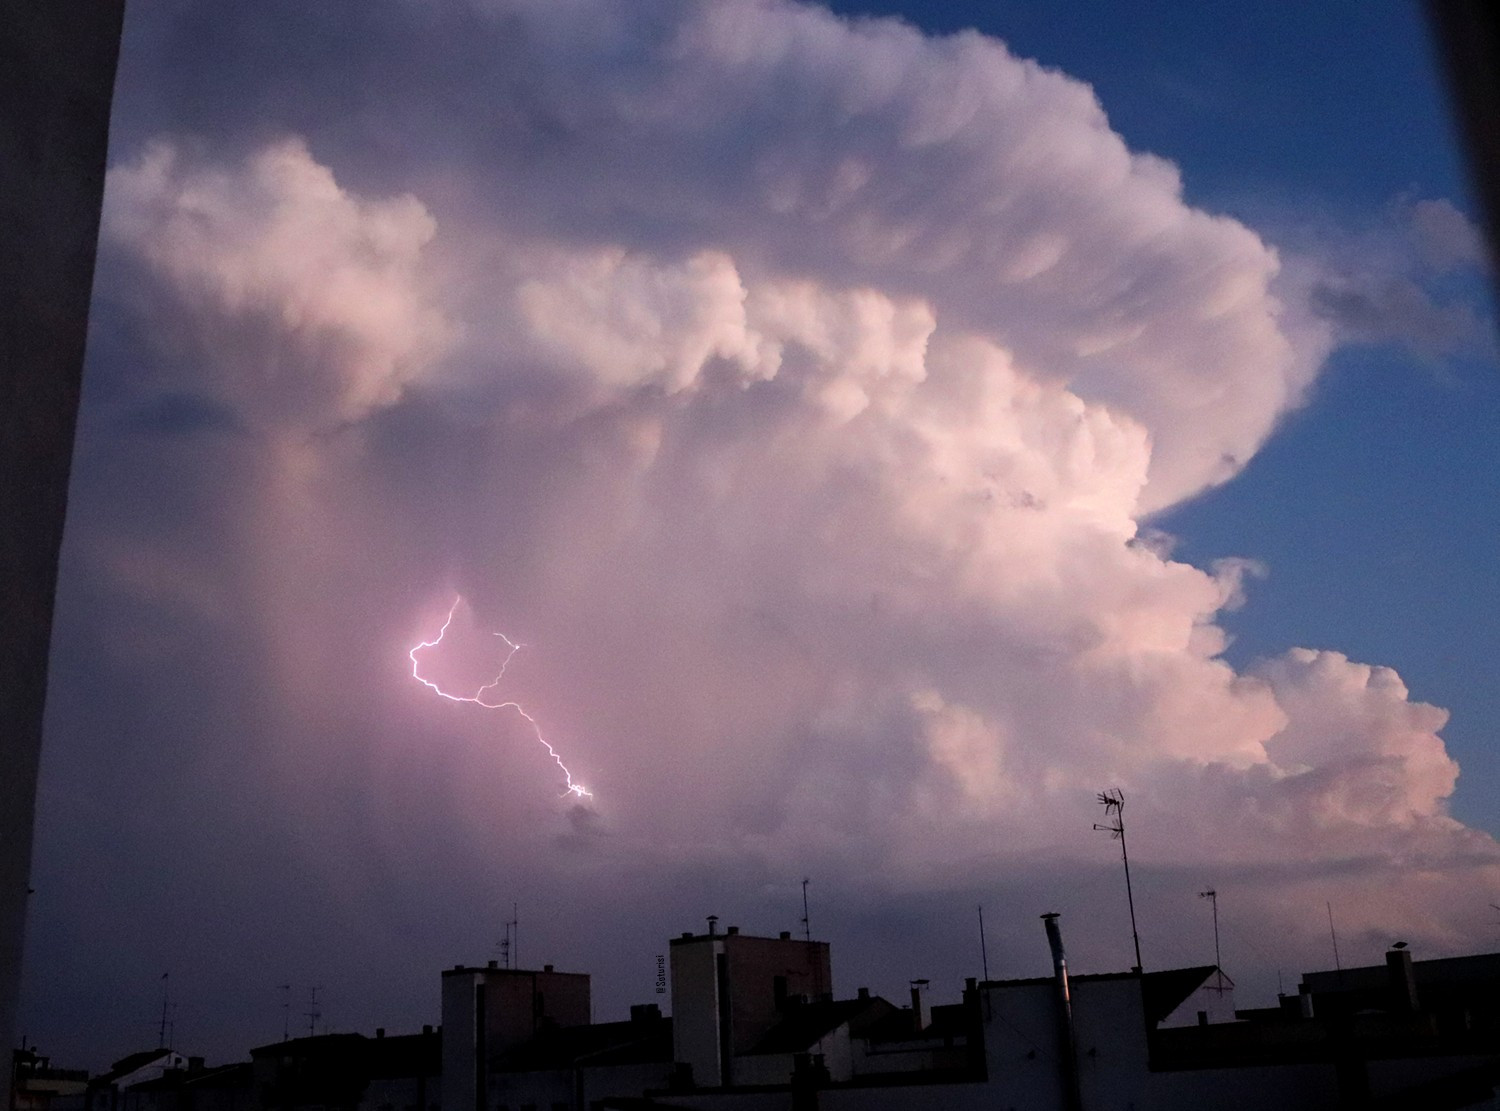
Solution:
(1213, 897)
(1113, 802)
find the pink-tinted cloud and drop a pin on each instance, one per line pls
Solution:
(814, 480)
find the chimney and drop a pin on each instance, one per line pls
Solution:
(380, 1031)
(1067, 1036)
(864, 993)
(921, 1010)
(546, 968)
(713, 925)
(1402, 979)
(491, 964)
(732, 930)
(785, 935)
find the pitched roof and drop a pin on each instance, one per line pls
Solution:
(1163, 992)
(802, 1026)
(129, 1064)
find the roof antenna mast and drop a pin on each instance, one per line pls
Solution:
(1334, 934)
(1113, 801)
(1213, 897)
(806, 922)
(984, 953)
(313, 1013)
(166, 991)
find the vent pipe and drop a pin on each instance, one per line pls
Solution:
(1067, 1036)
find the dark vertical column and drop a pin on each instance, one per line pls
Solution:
(726, 1028)
(57, 70)
(481, 1050)
(1467, 34)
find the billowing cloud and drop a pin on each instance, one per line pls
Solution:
(271, 252)
(795, 390)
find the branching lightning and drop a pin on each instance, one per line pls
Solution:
(478, 697)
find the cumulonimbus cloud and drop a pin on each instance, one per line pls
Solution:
(824, 468)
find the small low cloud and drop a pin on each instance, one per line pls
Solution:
(1408, 281)
(1381, 308)
(1445, 238)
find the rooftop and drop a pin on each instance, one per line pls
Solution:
(803, 1025)
(1163, 991)
(641, 1040)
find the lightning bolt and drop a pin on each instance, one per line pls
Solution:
(478, 697)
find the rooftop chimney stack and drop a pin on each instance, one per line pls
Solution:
(1402, 979)
(921, 1010)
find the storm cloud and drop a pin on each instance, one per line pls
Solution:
(800, 393)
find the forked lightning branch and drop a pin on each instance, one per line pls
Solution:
(478, 698)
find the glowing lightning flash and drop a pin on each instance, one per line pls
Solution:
(478, 698)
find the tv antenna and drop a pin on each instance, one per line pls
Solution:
(1113, 801)
(806, 922)
(312, 1013)
(1213, 897)
(286, 1012)
(513, 937)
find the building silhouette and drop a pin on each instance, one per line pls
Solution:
(757, 1027)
